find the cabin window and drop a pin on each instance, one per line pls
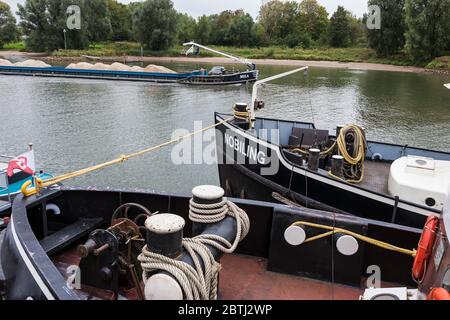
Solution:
(430, 202)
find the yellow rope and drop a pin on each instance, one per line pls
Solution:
(45, 183)
(242, 115)
(342, 145)
(333, 230)
(323, 153)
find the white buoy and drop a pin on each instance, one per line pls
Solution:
(347, 245)
(295, 235)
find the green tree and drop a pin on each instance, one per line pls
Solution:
(8, 29)
(120, 20)
(313, 19)
(260, 37)
(390, 38)
(280, 22)
(340, 28)
(155, 23)
(358, 34)
(43, 22)
(203, 30)
(220, 26)
(187, 27)
(428, 28)
(241, 30)
(97, 16)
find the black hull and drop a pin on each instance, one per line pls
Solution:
(30, 273)
(304, 186)
(189, 79)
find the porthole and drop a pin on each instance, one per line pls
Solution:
(430, 202)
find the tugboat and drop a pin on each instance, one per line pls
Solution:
(14, 172)
(108, 245)
(339, 172)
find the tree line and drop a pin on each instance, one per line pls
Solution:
(419, 27)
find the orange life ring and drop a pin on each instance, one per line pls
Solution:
(439, 294)
(425, 246)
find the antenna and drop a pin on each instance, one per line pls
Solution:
(258, 83)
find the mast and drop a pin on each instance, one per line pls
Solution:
(247, 62)
(259, 82)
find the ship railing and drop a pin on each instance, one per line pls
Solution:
(5, 200)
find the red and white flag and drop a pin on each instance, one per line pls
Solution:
(24, 162)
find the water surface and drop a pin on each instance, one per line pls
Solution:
(77, 123)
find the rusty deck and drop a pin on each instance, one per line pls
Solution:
(241, 278)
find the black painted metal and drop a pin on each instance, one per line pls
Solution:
(100, 269)
(268, 222)
(68, 235)
(309, 191)
(169, 245)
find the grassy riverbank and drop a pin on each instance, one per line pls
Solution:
(365, 55)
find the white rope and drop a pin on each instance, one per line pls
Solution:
(196, 282)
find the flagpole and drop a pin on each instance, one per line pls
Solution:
(30, 146)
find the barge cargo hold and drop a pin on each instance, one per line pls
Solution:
(200, 77)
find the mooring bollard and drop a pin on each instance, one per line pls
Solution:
(337, 166)
(313, 159)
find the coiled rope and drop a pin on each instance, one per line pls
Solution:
(27, 191)
(354, 162)
(196, 282)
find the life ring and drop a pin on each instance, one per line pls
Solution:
(439, 294)
(425, 246)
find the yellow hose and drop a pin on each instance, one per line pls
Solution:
(350, 161)
(333, 230)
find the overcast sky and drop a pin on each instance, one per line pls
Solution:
(199, 7)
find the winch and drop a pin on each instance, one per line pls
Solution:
(109, 257)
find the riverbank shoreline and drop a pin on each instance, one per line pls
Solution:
(363, 66)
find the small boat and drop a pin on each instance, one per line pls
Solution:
(83, 244)
(447, 85)
(14, 172)
(218, 75)
(337, 172)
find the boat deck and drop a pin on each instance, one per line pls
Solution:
(241, 278)
(246, 278)
(376, 176)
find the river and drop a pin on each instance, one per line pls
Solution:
(77, 123)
